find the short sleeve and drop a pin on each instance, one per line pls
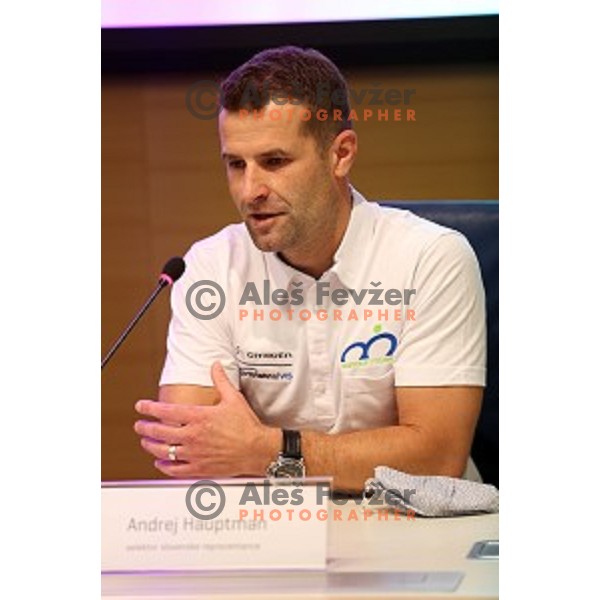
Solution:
(194, 344)
(445, 344)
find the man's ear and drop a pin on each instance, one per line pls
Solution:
(343, 152)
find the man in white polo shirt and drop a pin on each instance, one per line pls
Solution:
(325, 335)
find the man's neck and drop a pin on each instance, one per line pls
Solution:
(316, 261)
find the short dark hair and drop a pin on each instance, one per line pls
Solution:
(301, 74)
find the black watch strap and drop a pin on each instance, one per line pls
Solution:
(291, 444)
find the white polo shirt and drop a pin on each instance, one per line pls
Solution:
(306, 360)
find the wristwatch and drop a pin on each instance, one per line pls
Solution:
(290, 462)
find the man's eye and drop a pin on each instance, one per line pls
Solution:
(276, 161)
(236, 164)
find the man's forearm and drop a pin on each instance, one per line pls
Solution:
(351, 457)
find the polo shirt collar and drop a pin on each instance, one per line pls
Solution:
(281, 273)
(350, 255)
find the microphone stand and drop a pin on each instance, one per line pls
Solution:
(161, 284)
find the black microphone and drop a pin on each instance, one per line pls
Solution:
(171, 272)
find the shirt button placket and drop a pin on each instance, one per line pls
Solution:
(319, 360)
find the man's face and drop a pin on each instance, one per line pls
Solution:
(280, 183)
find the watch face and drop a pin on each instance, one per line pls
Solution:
(287, 467)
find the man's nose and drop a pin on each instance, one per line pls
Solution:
(254, 186)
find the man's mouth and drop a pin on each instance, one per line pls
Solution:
(264, 217)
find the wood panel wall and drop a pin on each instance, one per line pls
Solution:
(163, 187)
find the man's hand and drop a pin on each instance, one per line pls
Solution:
(224, 440)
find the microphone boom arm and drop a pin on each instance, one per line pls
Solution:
(161, 284)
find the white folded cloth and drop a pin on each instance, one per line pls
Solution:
(432, 496)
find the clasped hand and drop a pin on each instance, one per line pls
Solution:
(213, 441)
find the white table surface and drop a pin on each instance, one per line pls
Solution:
(373, 546)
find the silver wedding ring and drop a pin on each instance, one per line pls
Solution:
(172, 453)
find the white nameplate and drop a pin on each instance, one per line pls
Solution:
(225, 524)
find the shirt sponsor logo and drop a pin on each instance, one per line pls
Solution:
(265, 355)
(254, 373)
(262, 364)
(360, 351)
